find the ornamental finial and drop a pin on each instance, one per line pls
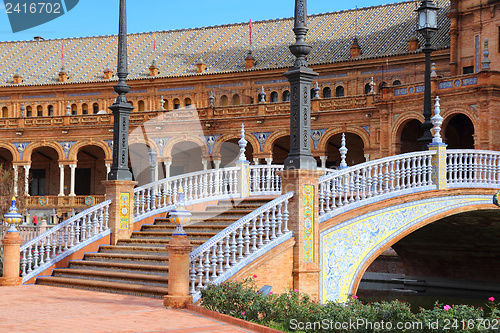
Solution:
(486, 60)
(343, 153)
(437, 120)
(243, 144)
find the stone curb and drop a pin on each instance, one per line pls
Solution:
(232, 320)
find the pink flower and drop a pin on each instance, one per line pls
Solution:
(270, 293)
(296, 290)
(243, 313)
(491, 299)
(255, 276)
(355, 297)
(447, 307)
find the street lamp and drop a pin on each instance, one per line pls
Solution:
(427, 27)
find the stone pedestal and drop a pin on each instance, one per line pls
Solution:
(178, 249)
(121, 209)
(304, 218)
(11, 258)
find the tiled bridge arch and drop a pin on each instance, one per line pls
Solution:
(351, 241)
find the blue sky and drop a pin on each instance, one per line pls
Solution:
(100, 17)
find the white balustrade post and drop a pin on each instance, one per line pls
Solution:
(343, 153)
(438, 160)
(243, 167)
(323, 161)
(61, 180)
(26, 179)
(72, 183)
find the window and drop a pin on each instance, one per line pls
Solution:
(286, 96)
(39, 111)
(236, 99)
(5, 112)
(29, 111)
(85, 108)
(339, 91)
(367, 88)
(95, 108)
(51, 110)
(396, 83)
(224, 101)
(74, 110)
(274, 97)
(469, 70)
(327, 92)
(177, 104)
(141, 105)
(187, 103)
(313, 93)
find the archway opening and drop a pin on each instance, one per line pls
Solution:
(281, 148)
(459, 133)
(186, 157)
(355, 150)
(139, 162)
(44, 173)
(90, 171)
(409, 136)
(230, 151)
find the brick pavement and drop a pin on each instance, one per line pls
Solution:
(36, 308)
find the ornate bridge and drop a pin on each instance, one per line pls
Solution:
(339, 220)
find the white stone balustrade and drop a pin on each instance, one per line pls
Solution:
(386, 176)
(215, 258)
(264, 179)
(472, 168)
(68, 237)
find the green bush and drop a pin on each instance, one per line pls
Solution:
(295, 312)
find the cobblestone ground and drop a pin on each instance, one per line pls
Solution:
(34, 308)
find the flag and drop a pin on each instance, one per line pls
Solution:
(250, 32)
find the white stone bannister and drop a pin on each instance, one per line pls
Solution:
(374, 180)
(201, 186)
(237, 245)
(64, 239)
(264, 179)
(472, 168)
(26, 232)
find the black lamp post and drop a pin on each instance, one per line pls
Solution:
(300, 77)
(121, 108)
(427, 27)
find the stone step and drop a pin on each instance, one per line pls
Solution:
(127, 258)
(214, 220)
(157, 242)
(135, 268)
(110, 287)
(188, 228)
(192, 235)
(127, 249)
(112, 276)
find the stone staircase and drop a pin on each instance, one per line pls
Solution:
(139, 266)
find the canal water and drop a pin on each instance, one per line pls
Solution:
(422, 292)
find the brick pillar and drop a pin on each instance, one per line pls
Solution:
(304, 218)
(121, 210)
(178, 249)
(11, 258)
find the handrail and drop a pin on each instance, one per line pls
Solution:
(44, 250)
(471, 167)
(238, 241)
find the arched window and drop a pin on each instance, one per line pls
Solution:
(339, 91)
(85, 108)
(29, 111)
(74, 110)
(95, 108)
(187, 102)
(224, 100)
(286, 96)
(327, 92)
(51, 110)
(39, 111)
(367, 88)
(236, 99)
(140, 105)
(274, 97)
(396, 83)
(5, 112)
(177, 104)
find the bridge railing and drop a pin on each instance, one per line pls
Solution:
(199, 186)
(264, 179)
(374, 179)
(212, 261)
(64, 239)
(470, 167)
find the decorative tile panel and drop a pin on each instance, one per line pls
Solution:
(262, 138)
(308, 218)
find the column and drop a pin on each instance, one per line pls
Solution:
(367, 157)
(16, 175)
(269, 160)
(256, 161)
(217, 164)
(179, 249)
(61, 180)
(26, 179)
(167, 168)
(205, 164)
(108, 169)
(323, 161)
(72, 185)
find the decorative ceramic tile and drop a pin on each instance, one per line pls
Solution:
(308, 218)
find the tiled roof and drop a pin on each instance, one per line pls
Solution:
(381, 31)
